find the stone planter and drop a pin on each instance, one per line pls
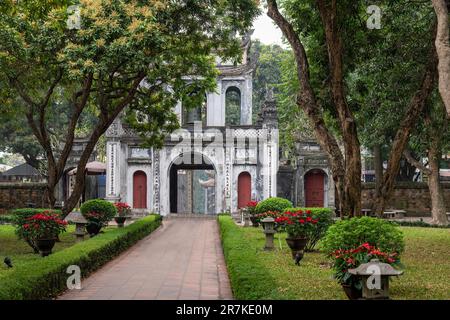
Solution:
(297, 246)
(120, 220)
(93, 229)
(352, 292)
(254, 221)
(45, 246)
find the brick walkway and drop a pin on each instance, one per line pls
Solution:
(181, 260)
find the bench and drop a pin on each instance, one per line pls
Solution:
(389, 214)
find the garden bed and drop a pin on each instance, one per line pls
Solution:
(33, 277)
(258, 274)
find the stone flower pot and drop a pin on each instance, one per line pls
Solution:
(93, 229)
(120, 220)
(254, 221)
(45, 246)
(297, 246)
(352, 292)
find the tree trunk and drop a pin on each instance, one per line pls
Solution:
(378, 167)
(346, 174)
(415, 108)
(438, 209)
(443, 50)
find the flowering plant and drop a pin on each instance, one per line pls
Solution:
(45, 225)
(298, 224)
(272, 214)
(96, 218)
(251, 207)
(123, 209)
(345, 259)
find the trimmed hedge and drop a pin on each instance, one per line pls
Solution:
(273, 204)
(6, 218)
(48, 278)
(247, 275)
(420, 224)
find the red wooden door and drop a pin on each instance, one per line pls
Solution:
(314, 188)
(244, 189)
(140, 190)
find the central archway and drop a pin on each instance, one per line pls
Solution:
(192, 184)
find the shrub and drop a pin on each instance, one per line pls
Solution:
(251, 207)
(352, 258)
(354, 241)
(43, 225)
(351, 233)
(297, 223)
(31, 281)
(325, 220)
(20, 218)
(98, 211)
(273, 204)
(123, 209)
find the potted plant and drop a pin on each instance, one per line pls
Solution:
(19, 218)
(98, 213)
(352, 242)
(43, 229)
(251, 210)
(352, 258)
(123, 213)
(298, 226)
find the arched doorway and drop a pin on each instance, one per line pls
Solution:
(244, 189)
(192, 179)
(315, 188)
(140, 190)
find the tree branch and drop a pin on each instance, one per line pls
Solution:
(416, 163)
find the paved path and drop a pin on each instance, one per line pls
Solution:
(181, 260)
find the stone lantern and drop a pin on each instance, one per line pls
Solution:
(269, 229)
(375, 278)
(246, 217)
(80, 223)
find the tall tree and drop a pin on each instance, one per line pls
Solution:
(346, 172)
(126, 54)
(443, 49)
(431, 139)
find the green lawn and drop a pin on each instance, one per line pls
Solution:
(21, 253)
(257, 274)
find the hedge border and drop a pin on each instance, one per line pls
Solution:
(248, 278)
(48, 279)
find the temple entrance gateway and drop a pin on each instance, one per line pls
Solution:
(193, 188)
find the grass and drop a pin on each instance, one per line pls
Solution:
(258, 274)
(20, 252)
(34, 277)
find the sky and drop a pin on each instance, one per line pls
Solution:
(266, 31)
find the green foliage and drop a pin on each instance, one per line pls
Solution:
(43, 225)
(20, 216)
(351, 233)
(325, 217)
(47, 278)
(259, 274)
(273, 204)
(248, 277)
(98, 211)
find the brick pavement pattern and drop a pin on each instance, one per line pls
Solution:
(183, 259)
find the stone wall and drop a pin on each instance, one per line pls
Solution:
(22, 195)
(413, 197)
